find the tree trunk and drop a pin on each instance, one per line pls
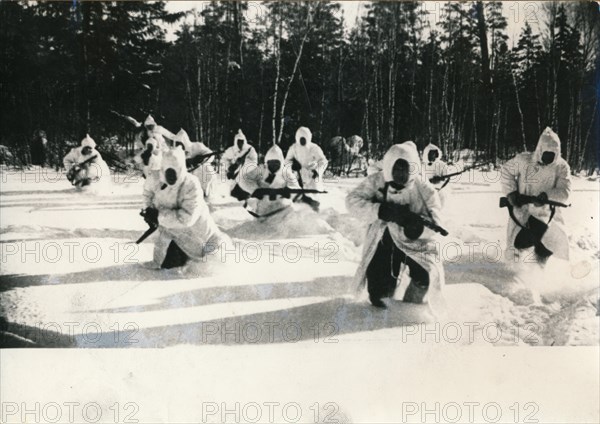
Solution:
(199, 128)
(262, 105)
(521, 119)
(287, 90)
(278, 68)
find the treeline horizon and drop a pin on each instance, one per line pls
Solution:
(71, 68)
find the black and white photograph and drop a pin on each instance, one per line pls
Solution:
(299, 211)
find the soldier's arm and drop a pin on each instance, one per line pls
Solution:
(562, 187)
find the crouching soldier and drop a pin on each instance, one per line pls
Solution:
(158, 132)
(267, 187)
(308, 161)
(434, 168)
(149, 159)
(199, 160)
(176, 206)
(85, 165)
(152, 161)
(237, 160)
(399, 203)
(536, 185)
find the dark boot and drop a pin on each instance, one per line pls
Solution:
(538, 229)
(415, 292)
(532, 236)
(377, 302)
(382, 271)
(175, 257)
(83, 182)
(524, 239)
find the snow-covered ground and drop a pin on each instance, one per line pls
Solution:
(71, 276)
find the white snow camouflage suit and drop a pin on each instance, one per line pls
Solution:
(311, 158)
(205, 172)
(96, 171)
(260, 177)
(183, 216)
(527, 174)
(435, 169)
(233, 153)
(363, 203)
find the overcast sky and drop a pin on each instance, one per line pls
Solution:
(516, 12)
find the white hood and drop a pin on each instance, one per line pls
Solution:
(184, 139)
(149, 121)
(548, 142)
(274, 153)
(88, 142)
(303, 132)
(156, 157)
(153, 142)
(408, 152)
(426, 151)
(173, 158)
(240, 136)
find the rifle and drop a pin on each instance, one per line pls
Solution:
(259, 193)
(233, 170)
(76, 168)
(195, 162)
(151, 228)
(129, 119)
(416, 222)
(113, 160)
(533, 199)
(439, 178)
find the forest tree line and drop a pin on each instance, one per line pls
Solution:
(70, 68)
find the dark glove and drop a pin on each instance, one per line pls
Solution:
(541, 199)
(315, 174)
(150, 215)
(231, 172)
(413, 228)
(516, 199)
(71, 174)
(146, 156)
(286, 193)
(296, 165)
(391, 212)
(239, 193)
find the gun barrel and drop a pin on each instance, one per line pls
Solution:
(435, 227)
(559, 204)
(534, 199)
(147, 234)
(265, 191)
(307, 191)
